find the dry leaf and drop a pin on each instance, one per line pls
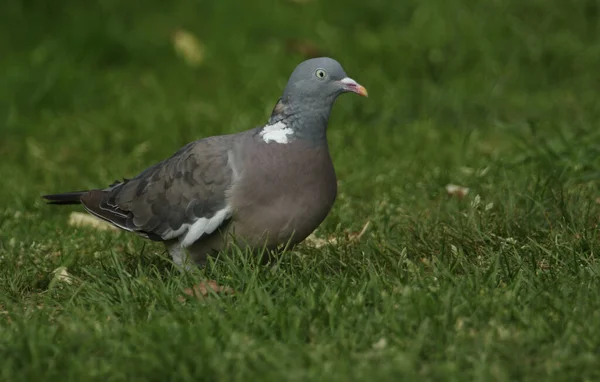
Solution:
(381, 344)
(317, 242)
(356, 236)
(543, 265)
(305, 48)
(62, 275)
(203, 289)
(458, 191)
(188, 47)
(4, 312)
(80, 219)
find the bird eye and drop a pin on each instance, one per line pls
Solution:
(320, 73)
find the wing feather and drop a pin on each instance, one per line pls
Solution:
(184, 196)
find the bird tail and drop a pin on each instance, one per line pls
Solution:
(65, 198)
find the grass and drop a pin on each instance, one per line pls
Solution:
(498, 96)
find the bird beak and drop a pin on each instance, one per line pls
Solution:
(352, 86)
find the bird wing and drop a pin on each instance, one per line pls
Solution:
(184, 196)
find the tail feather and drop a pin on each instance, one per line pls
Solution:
(65, 198)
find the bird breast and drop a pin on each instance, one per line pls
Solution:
(283, 192)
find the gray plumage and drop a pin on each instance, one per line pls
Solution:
(262, 188)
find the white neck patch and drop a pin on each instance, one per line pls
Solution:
(277, 132)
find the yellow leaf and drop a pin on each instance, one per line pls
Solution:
(317, 242)
(62, 275)
(203, 289)
(458, 191)
(80, 219)
(188, 47)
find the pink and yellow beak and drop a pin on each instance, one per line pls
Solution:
(352, 86)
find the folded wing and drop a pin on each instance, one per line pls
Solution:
(183, 197)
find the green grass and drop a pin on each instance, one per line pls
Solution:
(498, 96)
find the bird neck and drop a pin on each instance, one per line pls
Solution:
(307, 122)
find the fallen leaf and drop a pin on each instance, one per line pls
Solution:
(467, 170)
(305, 48)
(61, 274)
(202, 290)
(425, 261)
(80, 219)
(357, 236)
(318, 242)
(381, 344)
(188, 47)
(543, 265)
(458, 191)
(4, 312)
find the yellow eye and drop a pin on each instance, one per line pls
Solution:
(320, 73)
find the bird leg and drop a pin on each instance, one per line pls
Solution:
(179, 255)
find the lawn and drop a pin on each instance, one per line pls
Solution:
(501, 284)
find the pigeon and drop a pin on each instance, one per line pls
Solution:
(266, 188)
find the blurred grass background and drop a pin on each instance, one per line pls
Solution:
(498, 96)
